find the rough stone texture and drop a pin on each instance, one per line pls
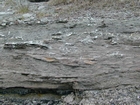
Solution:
(85, 60)
(93, 53)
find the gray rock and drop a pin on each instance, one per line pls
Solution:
(14, 46)
(3, 24)
(44, 20)
(57, 34)
(2, 35)
(57, 37)
(62, 21)
(41, 7)
(70, 25)
(11, 19)
(6, 13)
(69, 99)
(27, 15)
(87, 40)
(24, 45)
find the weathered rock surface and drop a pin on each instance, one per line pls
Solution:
(80, 61)
(89, 57)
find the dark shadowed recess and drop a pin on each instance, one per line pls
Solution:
(25, 91)
(38, 0)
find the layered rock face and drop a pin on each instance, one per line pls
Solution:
(45, 52)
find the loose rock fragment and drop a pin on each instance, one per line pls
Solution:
(3, 24)
(1, 35)
(62, 21)
(69, 99)
(57, 34)
(23, 45)
(57, 37)
(15, 46)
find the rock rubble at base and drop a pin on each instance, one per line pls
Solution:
(115, 96)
